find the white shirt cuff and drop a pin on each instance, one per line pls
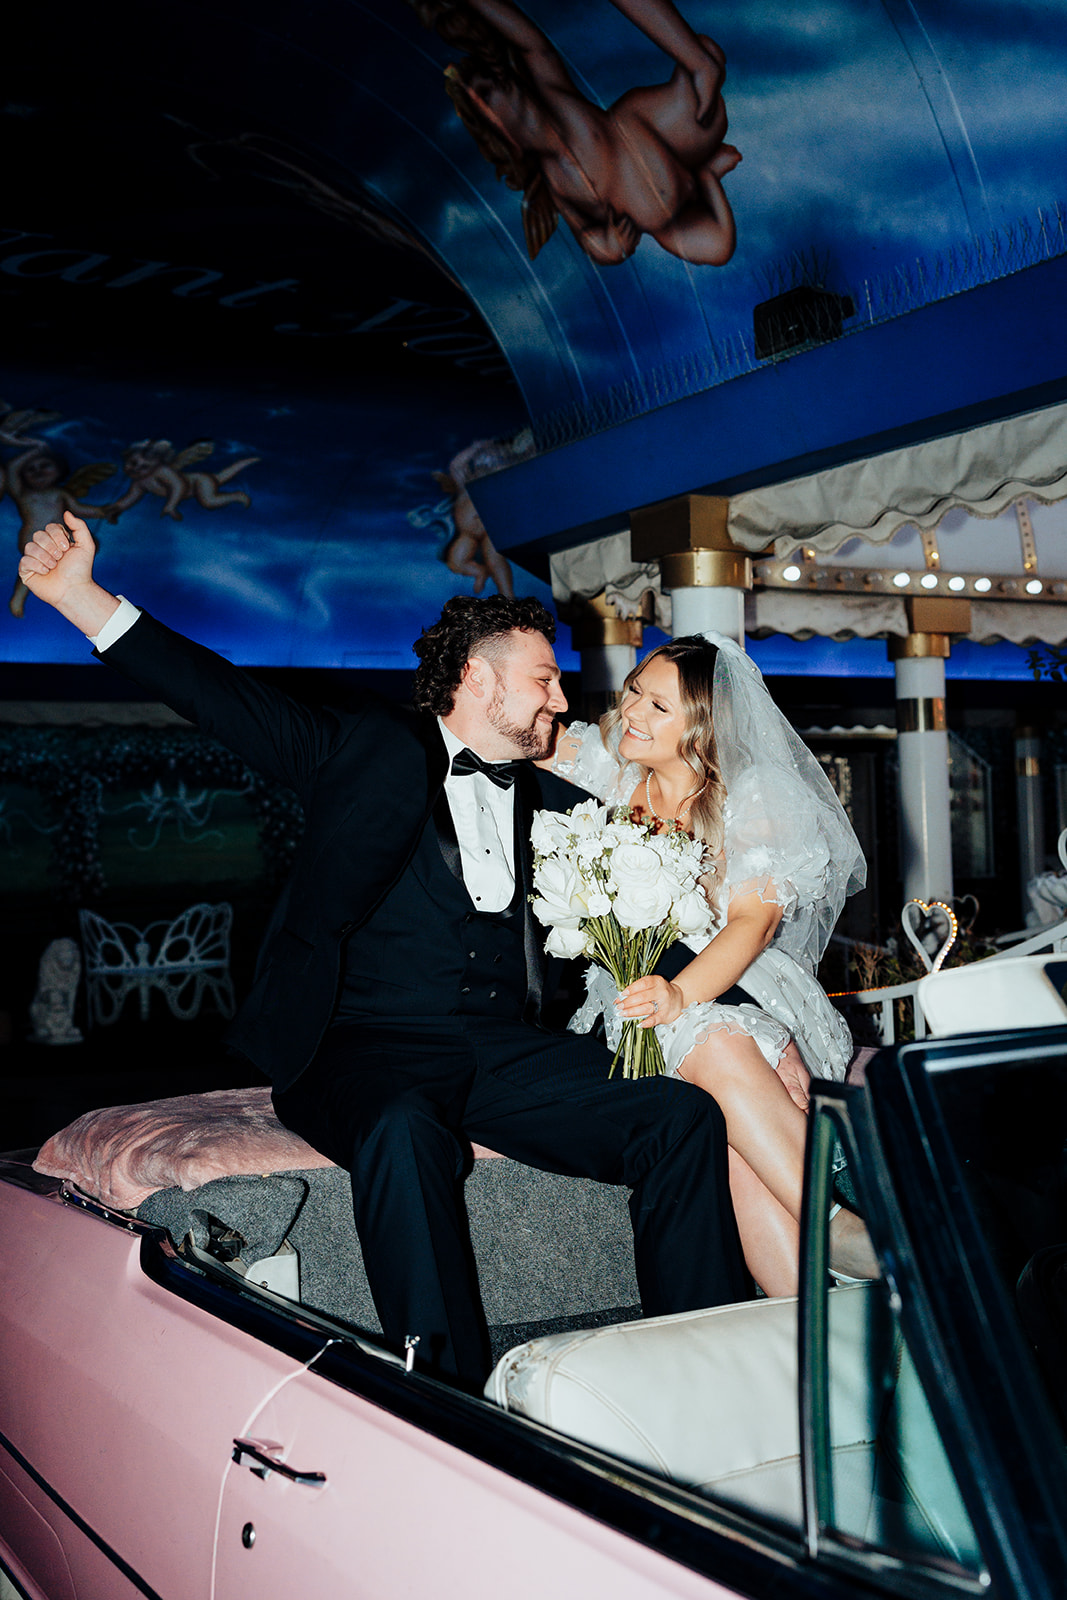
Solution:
(116, 625)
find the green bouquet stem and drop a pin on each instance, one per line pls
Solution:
(628, 956)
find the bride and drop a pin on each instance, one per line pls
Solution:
(698, 743)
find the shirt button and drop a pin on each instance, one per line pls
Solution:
(488, 852)
(497, 960)
(465, 989)
(492, 994)
(473, 954)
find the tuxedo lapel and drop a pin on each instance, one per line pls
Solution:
(446, 836)
(527, 799)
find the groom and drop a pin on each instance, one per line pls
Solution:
(397, 1000)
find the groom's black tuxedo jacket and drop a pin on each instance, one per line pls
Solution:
(367, 778)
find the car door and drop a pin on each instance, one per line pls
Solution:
(930, 1458)
(394, 1495)
(125, 1376)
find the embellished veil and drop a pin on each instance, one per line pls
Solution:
(783, 821)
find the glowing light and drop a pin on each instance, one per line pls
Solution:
(791, 574)
(901, 579)
(982, 585)
(929, 580)
(956, 584)
(1035, 586)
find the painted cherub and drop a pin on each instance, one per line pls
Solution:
(653, 162)
(42, 487)
(470, 552)
(153, 466)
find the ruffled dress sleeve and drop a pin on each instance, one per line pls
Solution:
(583, 758)
(778, 852)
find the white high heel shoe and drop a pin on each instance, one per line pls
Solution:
(843, 1277)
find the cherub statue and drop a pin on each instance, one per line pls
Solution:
(153, 466)
(651, 163)
(52, 1007)
(41, 485)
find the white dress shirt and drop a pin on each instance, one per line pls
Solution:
(483, 813)
(116, 625)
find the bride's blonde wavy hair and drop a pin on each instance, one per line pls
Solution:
(695, 661)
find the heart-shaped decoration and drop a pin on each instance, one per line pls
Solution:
(966, 907)
(932, 929)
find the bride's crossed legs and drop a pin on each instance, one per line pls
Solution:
(766, 1126)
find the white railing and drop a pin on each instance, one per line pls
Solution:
(1025, 942)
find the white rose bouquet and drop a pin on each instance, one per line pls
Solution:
(618, 892)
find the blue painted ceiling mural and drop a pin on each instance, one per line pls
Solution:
(280, 280)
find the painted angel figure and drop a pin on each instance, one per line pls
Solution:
(43, 487)
(153, 466)
(471, 552)
(653, 162)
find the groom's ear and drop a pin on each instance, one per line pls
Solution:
(476, 677)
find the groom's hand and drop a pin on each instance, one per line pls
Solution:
(58, 558)
(57, 567)
(651, 1001)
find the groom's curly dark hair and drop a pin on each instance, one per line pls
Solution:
(470, 627)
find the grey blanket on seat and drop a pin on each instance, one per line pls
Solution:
(551, 1251)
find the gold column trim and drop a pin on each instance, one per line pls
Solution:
(1028, 766)
(594, 630)
(686, 522)
(918, 646)
(921, 716)
(940, 613)
(594, 621)
(705, 569)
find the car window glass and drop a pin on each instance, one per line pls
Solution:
(893, 1487)
(1007, 1122)
(884, 1481)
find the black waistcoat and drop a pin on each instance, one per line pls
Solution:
(428, 951)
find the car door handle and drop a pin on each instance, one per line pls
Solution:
(262, 1463)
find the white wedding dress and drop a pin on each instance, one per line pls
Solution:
(793, 866)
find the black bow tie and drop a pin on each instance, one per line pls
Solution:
(502, 773)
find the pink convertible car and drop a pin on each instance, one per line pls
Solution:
(194, 1403)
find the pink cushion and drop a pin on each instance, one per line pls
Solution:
(857, 1070)
(123, 1154)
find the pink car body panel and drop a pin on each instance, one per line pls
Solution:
(126, 1401)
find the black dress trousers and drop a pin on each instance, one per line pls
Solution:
(395, 1101)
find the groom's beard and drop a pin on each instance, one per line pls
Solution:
(534, 742)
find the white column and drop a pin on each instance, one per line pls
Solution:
(605, 666)
(923, 771)
(707, 590)
(1031, 809)
(608, 646)
(697, 610)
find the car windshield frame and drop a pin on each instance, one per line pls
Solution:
(981, 1380)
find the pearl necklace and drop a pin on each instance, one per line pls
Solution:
(686, 803)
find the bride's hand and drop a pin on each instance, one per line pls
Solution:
(651, 1001)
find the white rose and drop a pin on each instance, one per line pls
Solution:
(549, 831)
(691, 913)
(642, 905)
(590, 848)
(561, 893)
(598, 904)
(565, 943)
(633, 864)
(619, 833)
